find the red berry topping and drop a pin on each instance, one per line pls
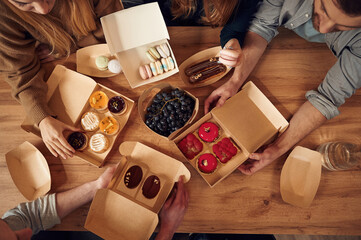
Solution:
(224, 150)
(190, 146)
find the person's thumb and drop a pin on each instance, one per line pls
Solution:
(255, 156)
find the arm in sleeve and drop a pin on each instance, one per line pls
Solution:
(266, 20)
(238, 23)
(38, 215)
(341, 82)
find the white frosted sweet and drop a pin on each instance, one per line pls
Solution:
(90, 121)
(114, 66)
(98, 142)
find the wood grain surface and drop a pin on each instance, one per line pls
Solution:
(239, 204)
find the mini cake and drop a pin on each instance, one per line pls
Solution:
(90, 121)
(98, 143)
(109, 125)
(117, 105)
(102, 63)
(133, 176)
(78, 141)
(190, 146)
(224, 150)
(207, 163)
(151, 187)
(208, 132)
(98, 100)
(114, 66)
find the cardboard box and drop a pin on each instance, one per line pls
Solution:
(300, 176)
(129, 34)
(122, 213)
(197, 58)
(145, 100)
(249, 119)
(68, 95)
(29, 170)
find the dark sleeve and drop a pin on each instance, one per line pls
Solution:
(238, 23)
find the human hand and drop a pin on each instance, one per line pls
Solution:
(106, 177)
(232, 54)
(173, 211)
(52, 134)
(44, 54)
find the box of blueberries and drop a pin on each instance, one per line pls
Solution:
(224, 138)
(140, 44)
(128, 208)
(98, 111)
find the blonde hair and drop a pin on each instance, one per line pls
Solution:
(217, 12)
(81, 17)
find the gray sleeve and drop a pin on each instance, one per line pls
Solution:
(38, 215)
(266, 20)
(341, 82)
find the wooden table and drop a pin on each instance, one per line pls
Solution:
(239, 204)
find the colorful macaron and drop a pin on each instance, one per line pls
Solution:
(102, 63)
(114, 66)
(153, 68)
(165, 64)
(159, 67)
(163, 50)
(153, 53)
(170, 63)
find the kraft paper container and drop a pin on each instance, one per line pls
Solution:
(145, 100)
(29, 171)
(122, 213)
(249, 119)
(129, 34)
(68, 95)
(85, 60)
(197, 58)
(300, 176)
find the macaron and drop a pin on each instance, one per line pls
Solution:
(163, 50)
(165, 64)
(102, 63)
(153, 52)
(145, 72)
(114, 66)
(149, 71)
(150, 57)
(153, 68)
(159, 67)
(170, 63)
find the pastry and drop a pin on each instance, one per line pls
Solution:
(163, 50)
(153, 52)
(190, 146)
(151, 187)
(170, 63)
(133, 176)
(189, 71)
(224, 150)
(90, 121)
(150, 57)
(208, 132)
(145, 72)
(159, 67)
(78, 141)
(102, 63)
(153, 68)
(164, 64)
(98, 143)
(117, 105)
(109, 125)
(114, 66)
(98, 100)
(207, 163)
(207, 73)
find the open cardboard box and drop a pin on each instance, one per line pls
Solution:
(119, 212)
(300, 176)
(129, 34)
(249, 119)
(29, 170)
(197, 58)
(68, 95)
(145, 100)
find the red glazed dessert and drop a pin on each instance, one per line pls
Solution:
(208, 132)
(224, 150)
(190, 146)
(207, 163)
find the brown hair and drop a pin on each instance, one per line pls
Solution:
(217, 11)
(79, 13)
(350, 7)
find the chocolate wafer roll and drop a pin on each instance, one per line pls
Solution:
(189, 71)
(208, 73)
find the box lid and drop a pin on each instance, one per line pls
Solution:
(134, 27)
(243, 117)
(109, 217)
(29, 170)
(300, 177)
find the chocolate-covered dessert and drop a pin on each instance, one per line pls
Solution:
(78, 140)
(151, 187)
(133, 177)
(116, 105)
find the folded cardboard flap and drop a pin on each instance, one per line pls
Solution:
(112, 216)
(29, 170)
(300, 177)
(134, 27)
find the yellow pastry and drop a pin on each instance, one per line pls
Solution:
(109, 125)
(98, 100)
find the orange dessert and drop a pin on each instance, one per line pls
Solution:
(98, 100)
(109, 125)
